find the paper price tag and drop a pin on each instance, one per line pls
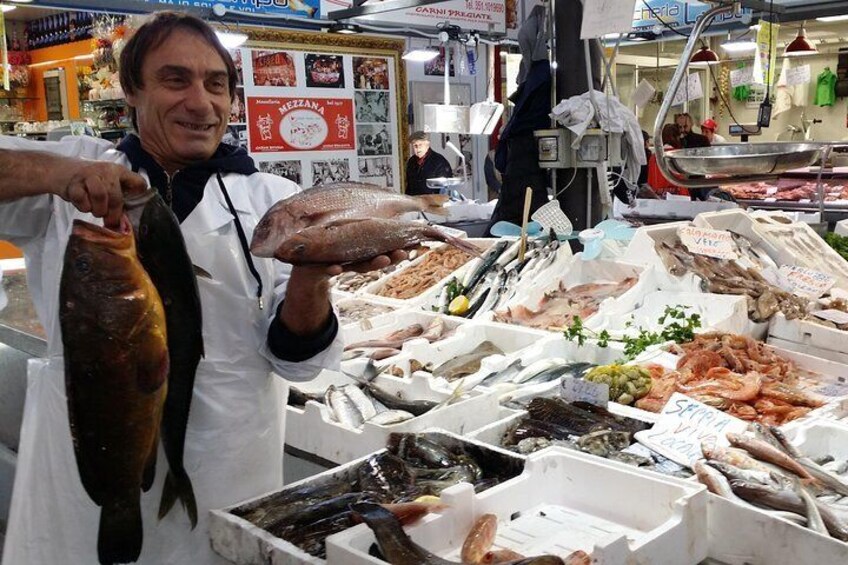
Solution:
(742, 77)
(643, 94)
(712, 243)
(798, 75)
(601, 17)
(690, 91)
(836, 316)
(807, 282)
(683, 426)
(579, 390)
(771, 190)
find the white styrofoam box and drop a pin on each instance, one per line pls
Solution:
(841, 227)
(761, 228)
(641, 251)
(809, 349)
(380, 326)
(312, 429)
(354, 299)
(430, 299)
(721, 312)
(676, 209)
(737, 532)
(243, 543)
(374, 288)
(566, 501)
(833, 343)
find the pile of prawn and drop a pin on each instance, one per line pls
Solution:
(736, 374)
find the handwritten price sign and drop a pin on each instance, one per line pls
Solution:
(684, 425)
(578, 390)
(807, 282)
(712, 243)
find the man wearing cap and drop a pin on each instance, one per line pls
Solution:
(424, 164)
(709, 128)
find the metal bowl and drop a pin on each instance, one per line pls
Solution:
(744, 159)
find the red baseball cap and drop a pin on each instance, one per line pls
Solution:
(709, 124)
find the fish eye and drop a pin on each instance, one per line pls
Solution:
(83, 264)
(300, 248)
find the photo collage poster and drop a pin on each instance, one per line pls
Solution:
(318, 117)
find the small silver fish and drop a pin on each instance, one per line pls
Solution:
(390, 417)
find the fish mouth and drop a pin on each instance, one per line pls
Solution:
(101, 234)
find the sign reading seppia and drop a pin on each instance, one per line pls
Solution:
(678, 14)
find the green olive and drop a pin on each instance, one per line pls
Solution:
(625, 399)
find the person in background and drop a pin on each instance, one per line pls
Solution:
(643, 173)
(671, 140)
(688, 138)
(709, 129)
(423, 164)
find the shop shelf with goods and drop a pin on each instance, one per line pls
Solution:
(564, 502)
(240, 540)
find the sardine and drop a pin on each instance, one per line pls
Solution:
(390, 417)
(414, 407)
(487, 263)
(353, 241)
(116, 367)
(363, 403)
(538, 367)
(343, 408)
(506, 374)
(466, 364)
(163, 254)
(329, 203)
(480, 539)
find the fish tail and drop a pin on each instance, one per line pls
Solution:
(433, 203)
(121, 533)
(460, 244)
(178, 486)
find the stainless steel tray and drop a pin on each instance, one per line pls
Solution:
(743, 159)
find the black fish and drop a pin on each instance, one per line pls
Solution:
(386, 476)
(163, 253)
(280, 506)
(420, 451)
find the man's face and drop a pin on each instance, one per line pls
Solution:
(420, 147)
(684, 125)
(183, 108)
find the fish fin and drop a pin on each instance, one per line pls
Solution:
(433, 203)
(201, 272)
(178, 487)
(120, 534)
(149, 473)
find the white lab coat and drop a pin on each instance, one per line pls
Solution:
(235, 433)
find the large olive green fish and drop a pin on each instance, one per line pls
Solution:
(330, 203)
(164, 256)
(116, 367)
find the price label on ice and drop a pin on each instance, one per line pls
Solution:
(684, 425)
(836, 316)
(578, 390)
(807, 282)
(704, 241)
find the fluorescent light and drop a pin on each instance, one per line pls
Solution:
(20, 1)
(231, 40)
(833, 18)
(421, 55)
(739, 46)
(4, 8)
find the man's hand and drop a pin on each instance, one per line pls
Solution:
(99, 188)
(380, 262)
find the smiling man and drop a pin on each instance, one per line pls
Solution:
(260, 317)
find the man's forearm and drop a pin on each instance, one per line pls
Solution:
(306, 308)
(28, 173)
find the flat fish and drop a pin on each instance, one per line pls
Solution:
(352, 241)
(467, 364)
(330, 203)
(116, 367)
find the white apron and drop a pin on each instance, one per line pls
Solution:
(234, 440)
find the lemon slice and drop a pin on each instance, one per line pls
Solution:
(459, 306)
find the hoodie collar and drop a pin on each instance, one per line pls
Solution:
(184, 189)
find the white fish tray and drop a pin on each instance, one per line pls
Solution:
(675, 209)
(566, 501)
(841, 227)
(430, 299)
(380, 326)
(312, 429)
(741, 535)
(246, 544)
(829, 343)
(339, 301)
(721, 312)
(762, 227)
(374, 288)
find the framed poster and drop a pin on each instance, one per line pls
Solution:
(324, 108)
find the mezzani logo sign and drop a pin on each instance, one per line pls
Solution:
(301, 103)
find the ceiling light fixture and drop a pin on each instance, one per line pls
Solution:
(344, 28)
(829, 19)
(739, 46)
(705, 56)
(422, 54)
(231, 40)
(6, 8)
(800, 46)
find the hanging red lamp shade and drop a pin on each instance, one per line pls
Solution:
(800, 46)
(705, 56)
